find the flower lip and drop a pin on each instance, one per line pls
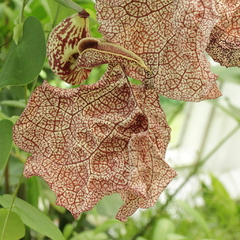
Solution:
(62, 48)
(87, 43)
(108, 52)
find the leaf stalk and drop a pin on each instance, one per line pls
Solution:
(11, 206)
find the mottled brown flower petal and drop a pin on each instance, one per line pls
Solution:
(224, 46)
(62, 48)
(171, 38)
(146, 151)
(96, 140)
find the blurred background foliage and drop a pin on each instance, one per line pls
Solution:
(27, 205)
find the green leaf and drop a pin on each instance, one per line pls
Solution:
(13, 119)
(32, 217)
(58, 12)
(17, 32)
(14, 229)
(25, 60)
(163, 227)
(69, 4)
(106, 225)
(220, 189)
(223, 204)
(73, 7)
(90, 235)
(3, 115)
(141, 238)
(196, 215)
(5, 140)
(14, 103)
(208, 239)
(174, 236)
(68, 230)
(109, 205)
(33, 191)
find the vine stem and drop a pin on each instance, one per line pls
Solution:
(200, 163)
(74, 6)
(23, 160)
(34, 83)
(54, 21)
(24, 3)
(3, 172)
(235, 129)
(55, 18)
(26, 96)
(11, 206)
(177, 111)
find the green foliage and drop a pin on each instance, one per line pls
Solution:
(69, 4)
(5, 141)
(32, 217)
(226, 219)
(11, 226)
(196, 216)
(216, 218)
(21, 65)
(163, 227)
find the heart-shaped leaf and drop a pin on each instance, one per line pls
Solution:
(25, 60)
(14, 228)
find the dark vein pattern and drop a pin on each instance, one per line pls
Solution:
(96, 140)
(224, 46)
(171, 37)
